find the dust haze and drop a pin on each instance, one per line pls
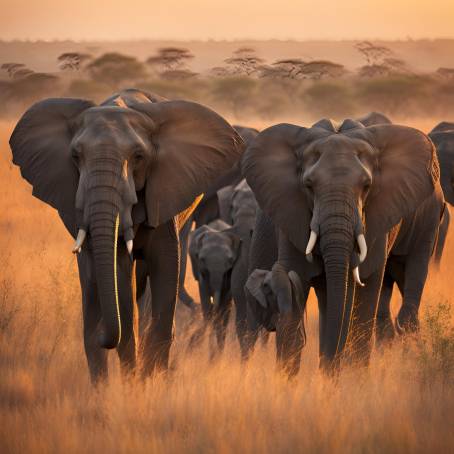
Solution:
(403, 403)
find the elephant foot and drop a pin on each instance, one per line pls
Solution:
(187, 300)
(385, 331)
(407, 322)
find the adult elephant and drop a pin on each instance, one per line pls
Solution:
(124, 176)
(208, 210)
(443, 138)
(343, 200)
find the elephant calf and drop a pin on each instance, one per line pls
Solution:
(214, 250)
(280, 304)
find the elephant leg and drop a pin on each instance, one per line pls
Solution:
(291, 328)
(127, 349)
(183, 295)
(362, 324)
(416, 269)
(163, 265)
(263, 254)
(384, 329)
(143, 296)
(238, 281)
(91, 312)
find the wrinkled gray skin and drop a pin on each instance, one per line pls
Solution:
(443, 138)
(124, 170)
(281, 302)
(339, 182)
(238, 206)
(214, 249)
(208, 210)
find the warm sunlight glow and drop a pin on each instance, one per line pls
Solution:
(235, 19)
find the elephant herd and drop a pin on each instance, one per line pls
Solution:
(347, 209)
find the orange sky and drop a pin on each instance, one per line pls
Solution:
(234, 19)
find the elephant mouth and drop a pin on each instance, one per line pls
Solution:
(356, 259)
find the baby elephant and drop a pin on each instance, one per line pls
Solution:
(213, 250)
(278, 303)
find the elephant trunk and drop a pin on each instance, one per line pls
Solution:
(338, 218)
(104, 219)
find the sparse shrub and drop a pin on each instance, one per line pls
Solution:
(234, 93)
(436, 345)
(115, 69)
(329, 99)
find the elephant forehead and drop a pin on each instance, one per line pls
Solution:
(216, 246)
(339, 143)
(112, 126)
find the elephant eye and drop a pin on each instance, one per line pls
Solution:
(75, 153)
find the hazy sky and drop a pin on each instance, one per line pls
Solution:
(234, 19)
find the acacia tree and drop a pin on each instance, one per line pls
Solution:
(373, 53)
(114, 68)
(244, 61)
(170, 59)
(296, 68)
(12, 68)
(72, 61)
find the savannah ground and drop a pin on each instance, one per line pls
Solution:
(403, 403)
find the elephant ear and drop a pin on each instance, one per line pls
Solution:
(194, 146)
(236, 242)
(225, 203)
(444, 143)
(40, 144)
(254, 286)
(406, 175)
(271, 168)
(195, 242)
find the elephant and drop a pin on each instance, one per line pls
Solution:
(374, 118)
(124, 176)
(214, 249)
(272, 291)
(208, 209)
(344, 206)
(443, 138)
(237, 205)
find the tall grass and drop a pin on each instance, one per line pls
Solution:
(403, 403)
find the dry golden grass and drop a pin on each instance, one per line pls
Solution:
(403, 403)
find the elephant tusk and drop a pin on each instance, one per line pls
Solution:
(356, 276)
(311, 242)
(129, 246)
(81, 234)
(362, 247)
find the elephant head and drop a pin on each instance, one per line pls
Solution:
(94, 163)
(374, 118)
(275, 292)
(213, 249)
(237, 206)
(334, 192)
(443, 138)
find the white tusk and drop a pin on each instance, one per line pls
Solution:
(311, 242)
(362, 247)
(356, 276)
(129, 245)
(81, 234)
